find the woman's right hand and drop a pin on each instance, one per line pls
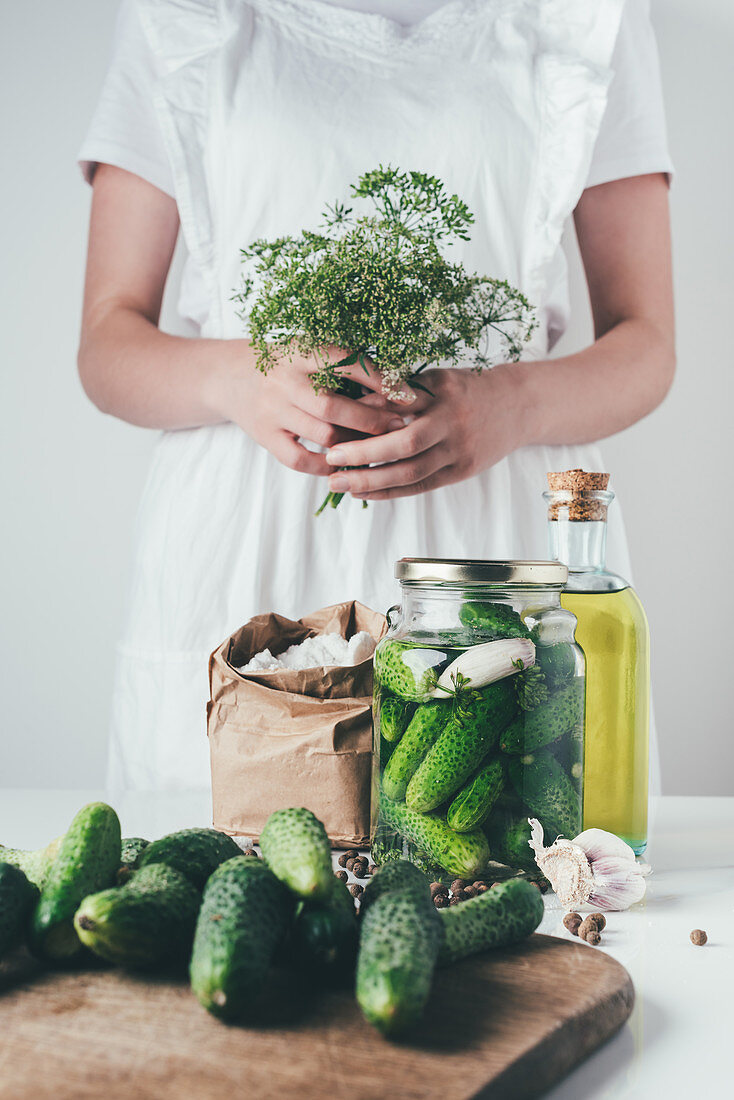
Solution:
(280, 408)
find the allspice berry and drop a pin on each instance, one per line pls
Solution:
(372, 868)
(699, 937)
(470, 891)
(250, 852)
(350, 864)
(359, 868)
(438, 888)
(482, 889)
(589, 931)
(457, 885)
(441, 901)
(341, 875)
(356, 890)
(455, 900)
(342, 861)
(593, 937)
(572, 921)
(599, 920)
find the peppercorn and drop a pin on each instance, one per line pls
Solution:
(572, 921)
(356, 890)
(699, 937)
(341, 875)
(457, 885)
(438, 888)
(593, 937)
(598, 920)
(441, 901)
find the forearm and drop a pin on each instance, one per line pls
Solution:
(596, 392)
(132, 370)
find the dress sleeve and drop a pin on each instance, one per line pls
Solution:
(125, 130)
(632, 139)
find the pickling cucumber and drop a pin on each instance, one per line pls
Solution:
(397, 875)
(506, 914)
(546, 789)
(461, 854)
(297, 850)
(472, 805)
(87, 861)
(400, 935)
(395, 714)
(323, 939)
(132, 849)
(148, 922)
(196, 853)
(243, 919)
(17, 897)
(34, 863)
(473, 731)
(410, 671)
(493, 620)
(508, 836)
(554, 719)
(422, 732)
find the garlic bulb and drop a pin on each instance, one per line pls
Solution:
(484, 664)
(595, 868)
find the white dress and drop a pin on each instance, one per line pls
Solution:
(253, 114)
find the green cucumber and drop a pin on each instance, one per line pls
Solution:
(505, 914)
(472, 732)
(34, 863)
(422, 732)
(508, 839)
(410, 671)
(148, 922)
(557, 662)
(17, 897)
(493, 620)
(462, 854)
(546, 789)
(400, 935)
(87, 861)
(395, 714)
(244, 917)
(400, 875)
(472, 805)
(132, 849)
(547, 723)
(196, 853)
(297, 850)
(323, 939)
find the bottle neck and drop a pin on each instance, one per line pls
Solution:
(579, 544)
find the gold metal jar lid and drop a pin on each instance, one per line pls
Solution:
(464, 572)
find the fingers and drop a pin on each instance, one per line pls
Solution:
(314, 430)
(447, 475)
(366, 375)
(405, 443)
(295, 456)
(349, 413)
(364, 483)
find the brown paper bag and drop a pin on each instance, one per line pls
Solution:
(292, 738)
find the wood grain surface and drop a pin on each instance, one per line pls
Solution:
(504, 1025)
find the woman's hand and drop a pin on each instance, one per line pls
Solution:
(278, 408)
(470, 423)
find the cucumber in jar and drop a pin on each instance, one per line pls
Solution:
(422, 732)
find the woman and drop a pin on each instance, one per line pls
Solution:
(239, 120)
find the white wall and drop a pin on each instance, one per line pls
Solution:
(70, 478)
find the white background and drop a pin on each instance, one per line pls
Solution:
(71, 478)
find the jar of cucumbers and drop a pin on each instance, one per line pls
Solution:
(478, 717)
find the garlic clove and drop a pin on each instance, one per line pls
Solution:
(484, 664)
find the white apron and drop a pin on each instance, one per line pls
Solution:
(270, 109)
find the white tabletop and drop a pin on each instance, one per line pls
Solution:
(678, 1041)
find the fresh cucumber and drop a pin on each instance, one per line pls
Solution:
(545, 788)
(400, 935)
(397, 875)
(462, 854)
(472, 805)
(422, 732)
(323, 939)
(34, 863)
(243, 919)
(148, 922)
(17, 897)
(132, 849)
(297, 850)
(473, 731)
(196, 853)
(504, 915)
(87, 861)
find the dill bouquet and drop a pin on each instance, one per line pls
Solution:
(377, 284)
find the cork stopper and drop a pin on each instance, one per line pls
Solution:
(578, 495)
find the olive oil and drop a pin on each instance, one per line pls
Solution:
(612, 631)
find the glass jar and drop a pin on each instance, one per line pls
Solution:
(471, 739)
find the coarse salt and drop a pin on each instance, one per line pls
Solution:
(319, 652)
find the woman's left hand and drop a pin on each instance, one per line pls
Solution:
(470, 423)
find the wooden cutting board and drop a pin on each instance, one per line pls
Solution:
(506, 1025)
